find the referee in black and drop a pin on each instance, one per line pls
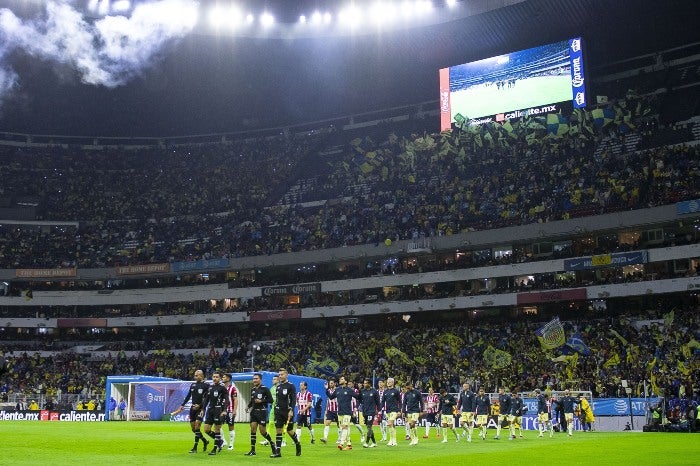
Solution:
(284, 412)
(260, 399)
(198, 392)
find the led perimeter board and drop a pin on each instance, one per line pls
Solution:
(516, 84)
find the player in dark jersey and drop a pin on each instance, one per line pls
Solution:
(568, 403)
(344, 395)
(215, 408)
(284, 413)
(544, 415)
(196, 394)
(391, 400)
(447, 409)
(482, 410)
(260, 399)
(504, 410)
(517, 409)
(413, 406)
(371, 407)
(465, 405)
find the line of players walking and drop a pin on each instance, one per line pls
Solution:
(215, 404)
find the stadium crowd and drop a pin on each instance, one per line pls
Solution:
(657, 352)
(280, 194)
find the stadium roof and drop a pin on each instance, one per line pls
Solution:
(133, 75)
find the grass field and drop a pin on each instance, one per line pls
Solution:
(166, 443)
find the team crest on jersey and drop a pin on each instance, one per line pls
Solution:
(259, 396)
(199, 390)
(284, 391)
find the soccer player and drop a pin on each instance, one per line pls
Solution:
(465, 405)
(432, 407)
(284, 413)
(382, 414)
(260, 399)
(413, 406)
(544, 415)
(370, 408)
(304, 402)
(215, 408)
(567, 404)
(356, 420)
(344, 395)
(482, 409)
(515, 419)
(196, 394)
(504, 410)
(331, 413)
(232, 398)
(391, 400)
(447, 419)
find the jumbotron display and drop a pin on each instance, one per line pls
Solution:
(528, 82)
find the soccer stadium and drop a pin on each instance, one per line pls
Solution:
(319, 231)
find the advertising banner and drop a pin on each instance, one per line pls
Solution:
(199, 265)
(617, 259)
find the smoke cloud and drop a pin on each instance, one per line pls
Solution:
(109, 51)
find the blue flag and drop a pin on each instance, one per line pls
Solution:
(576, 343)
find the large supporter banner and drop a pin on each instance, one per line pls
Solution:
(210, 264)
(617, 259)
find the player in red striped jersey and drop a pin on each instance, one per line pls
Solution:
(382, 413)
(331, 414)
(432, 405)
(304, 402)
(232, 394)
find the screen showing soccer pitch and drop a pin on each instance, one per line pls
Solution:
(516, 84)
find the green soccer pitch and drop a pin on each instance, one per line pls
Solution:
(167, 443)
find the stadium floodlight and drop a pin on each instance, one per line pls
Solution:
(407, 7)
(92, 5)
(266, 19)
(180, 13)
(382, 12)
(316, 17)
(249, 18)
(327, 18)
(216, 17)
(350, 16)
(451, 3)
(302, 19)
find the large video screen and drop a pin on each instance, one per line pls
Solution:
(530, 81)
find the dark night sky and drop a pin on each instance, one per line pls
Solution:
(209, 84)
